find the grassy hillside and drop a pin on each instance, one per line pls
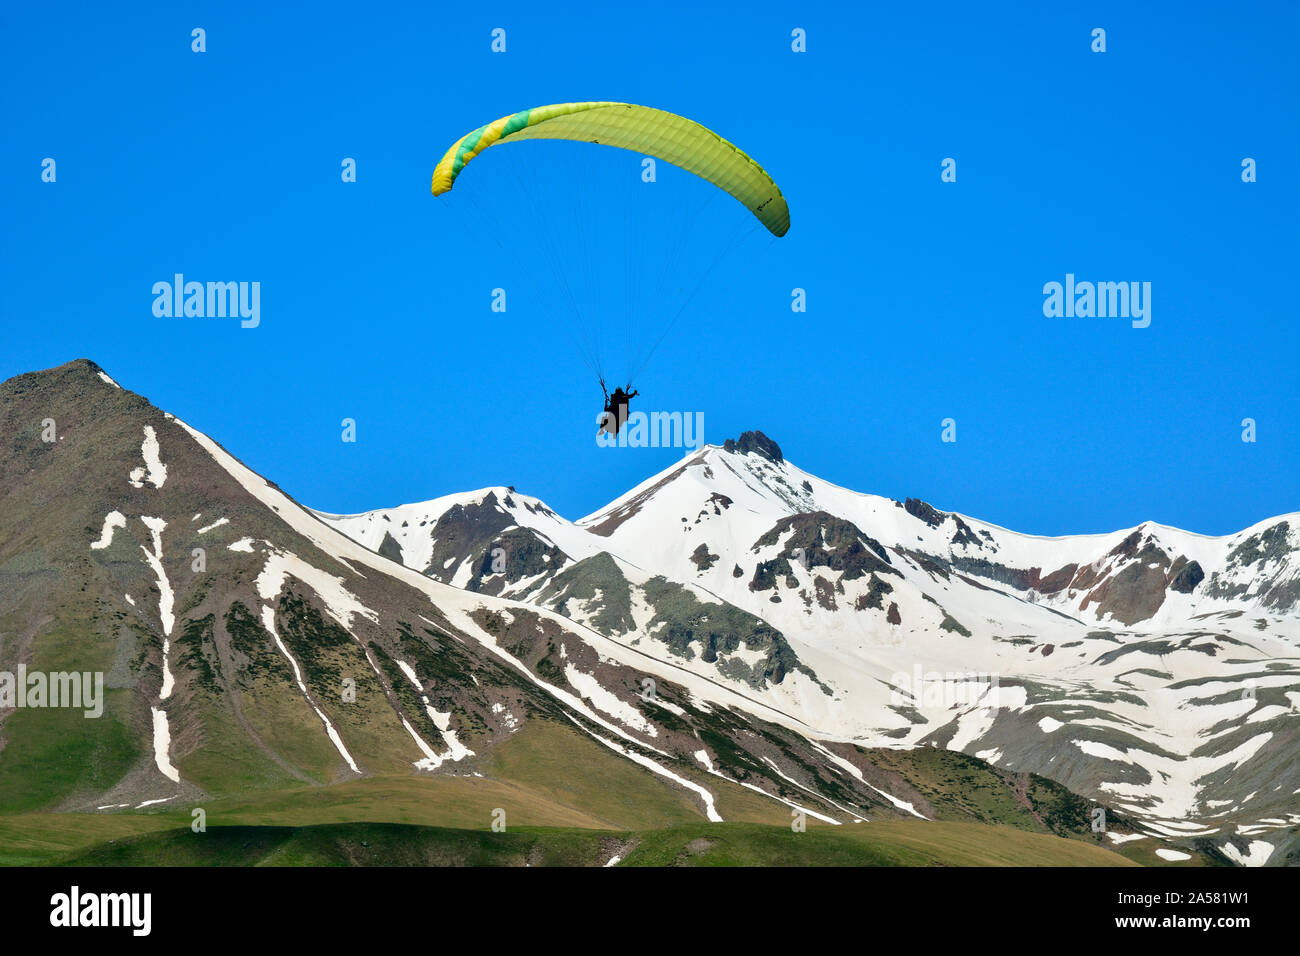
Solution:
(567, 801)
(896, 843)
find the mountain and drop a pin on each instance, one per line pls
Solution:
(1152, 670)
(263, 668)
(730, 641)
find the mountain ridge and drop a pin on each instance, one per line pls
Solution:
(1150, 588)
(734, 692)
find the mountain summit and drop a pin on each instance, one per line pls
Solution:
(755, 442)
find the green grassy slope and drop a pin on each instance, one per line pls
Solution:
(896, 843)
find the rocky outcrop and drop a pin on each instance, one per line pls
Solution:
(1186, 577)
(757, 443)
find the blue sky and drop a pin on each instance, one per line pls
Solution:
(924, 298)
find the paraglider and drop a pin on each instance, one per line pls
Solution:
(615, 414)
(581, 255)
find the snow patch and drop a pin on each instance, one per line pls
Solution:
(338, 600)
(153, 470)
(162, 742)
(901, 804)
(112, 520)
(607, 702)
(166, 598)
(409, 671)
(1256, 854)
(150, 803)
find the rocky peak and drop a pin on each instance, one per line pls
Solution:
(755, 442)
(926, 512)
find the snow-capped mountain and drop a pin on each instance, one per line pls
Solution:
(1154, 670)
(734, 639)
(247, 647)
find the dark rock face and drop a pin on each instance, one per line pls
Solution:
(582, 582)
(477, 532)
(390, 549)
(919, 509)
(701, 558)
(1057, 579)
(826, 593)
(950, 623)
(1273, 544)
(822, 540)
(1136, 592)
(1018, 578)
(1128, 547)
(511, 556)
(462, 529)
(716, 504)
(1187, 578)
(935, 566)
(1259, 549)
(965, 535)
(755, 442)
(874, 598)
(682, 620)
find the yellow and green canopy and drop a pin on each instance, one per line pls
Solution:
(657, 133)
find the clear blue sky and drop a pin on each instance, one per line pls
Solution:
(924, 298)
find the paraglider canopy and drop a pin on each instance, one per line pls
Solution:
(670, 137)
